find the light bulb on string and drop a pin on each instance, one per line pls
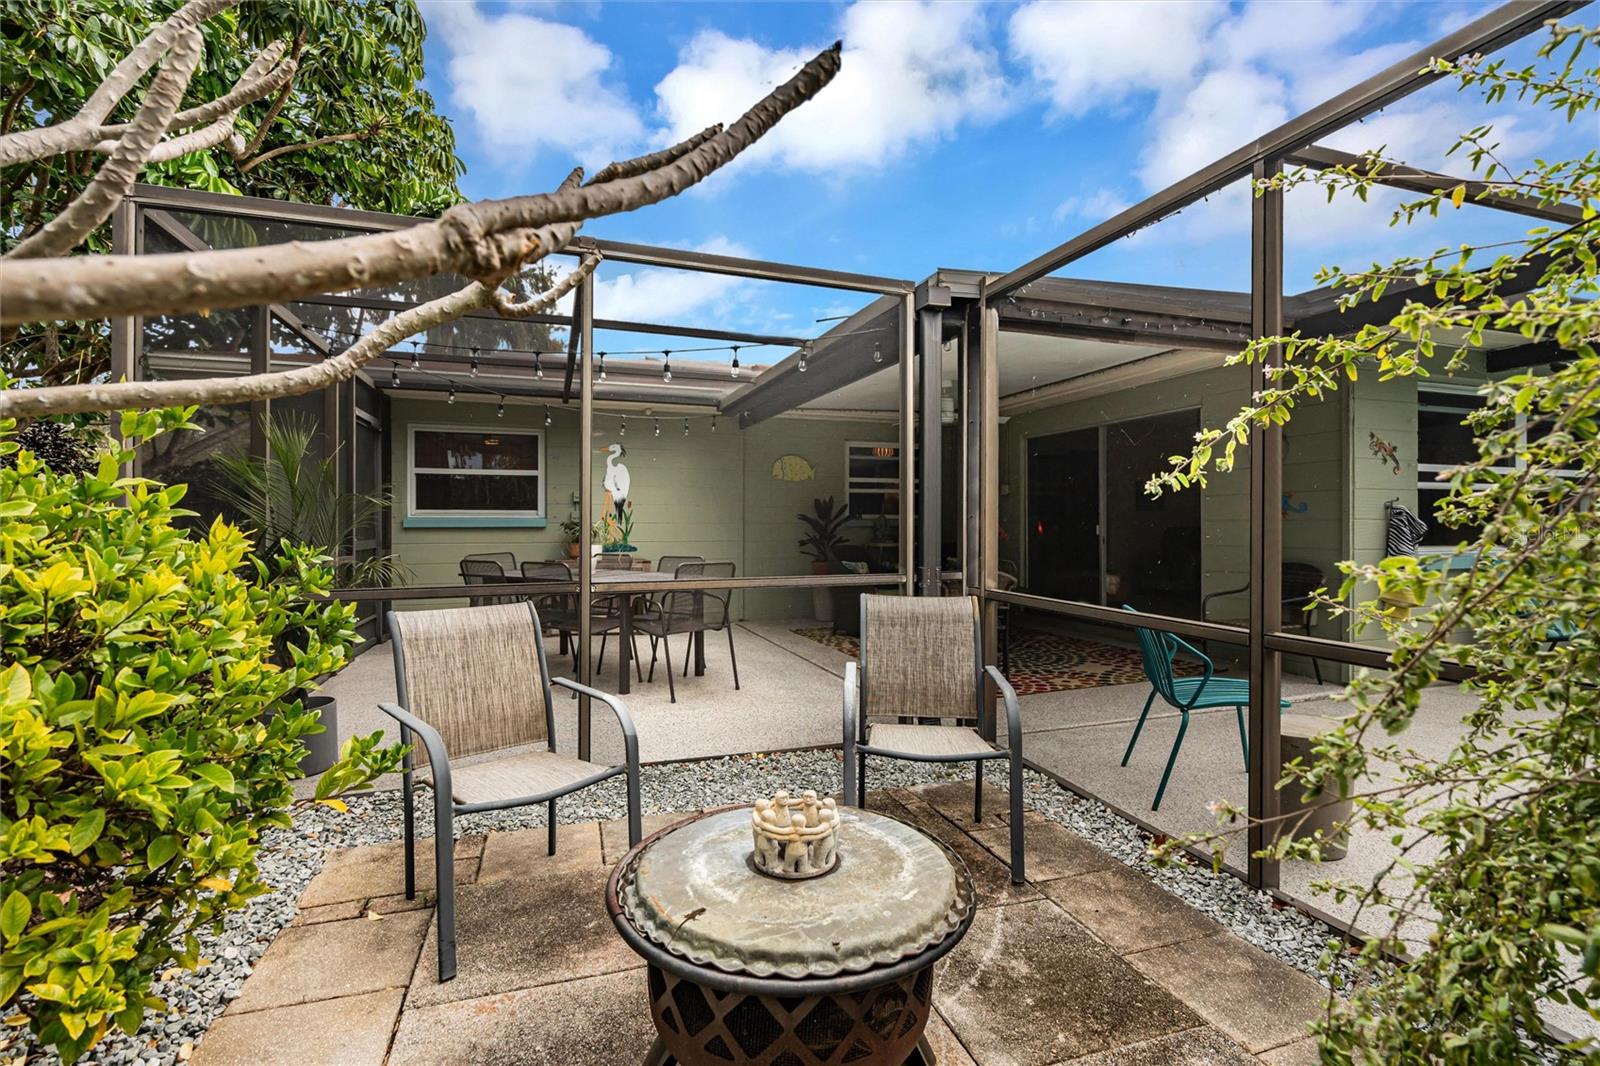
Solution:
(685, 427)
(547, 419)
(602, 366)
(733, 371)
(623, 432)
(877, 352)
(658, 427)
(538, 366)
(414, 364)
(394, 377)
(805, 350)
(452, 393)
(713, 423)
(474, 361)
(500, 412)
(666, 366)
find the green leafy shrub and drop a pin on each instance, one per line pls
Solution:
(147, 736)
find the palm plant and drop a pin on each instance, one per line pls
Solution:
(292, 497)
(824, 529)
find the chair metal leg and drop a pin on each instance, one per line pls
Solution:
(1136, 729)
(444, 881)
(1018, 860)
(1183, 727)
(653, 649)
(861, 780)
(411, 829)
(600, 663)
(1244, 739)
(638, 670)
(672, 691)
(732, 658)
(688, 653)
(977, 793)
(550, 816)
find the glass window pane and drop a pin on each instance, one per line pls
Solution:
(1442, 436)
(448, 450)
(467, 492)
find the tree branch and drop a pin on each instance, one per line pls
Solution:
(641, 164)
(116, 176)
(277, 103)
(25, 145)
(545, 300)
(482, 240)
(75, 399)
(332, 138)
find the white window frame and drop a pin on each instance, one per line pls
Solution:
(412, 470)
(853, 484)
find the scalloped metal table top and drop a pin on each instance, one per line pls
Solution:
(896, 893)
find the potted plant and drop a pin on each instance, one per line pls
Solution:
(292, 498)
(823, 537)
(572, 530)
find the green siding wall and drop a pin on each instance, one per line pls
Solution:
(709, 494)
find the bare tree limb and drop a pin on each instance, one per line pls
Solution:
(510, 308)
(629, 168)
(25, 145)
(122, 395)
(11, 105)
(116, 176)
(478, 240)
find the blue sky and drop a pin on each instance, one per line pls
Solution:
(962, 135)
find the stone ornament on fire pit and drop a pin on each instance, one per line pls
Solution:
(796, 837)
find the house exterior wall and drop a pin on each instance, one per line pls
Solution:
(708, 493)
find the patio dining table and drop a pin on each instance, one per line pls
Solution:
(610, 582)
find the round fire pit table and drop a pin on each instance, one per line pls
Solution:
(833, 971)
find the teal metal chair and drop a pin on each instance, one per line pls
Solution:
(1185, 694)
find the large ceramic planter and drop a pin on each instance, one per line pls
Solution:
(822, 599)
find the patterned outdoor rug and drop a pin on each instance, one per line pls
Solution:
(1045, 662)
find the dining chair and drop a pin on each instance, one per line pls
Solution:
(691, 613)
(473, 681)
(922, 658)
(1158, 652)
(484, 570)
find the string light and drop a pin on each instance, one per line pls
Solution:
(538, 366)
(658, 427)
(474, 367)
(602, 366)
(414, 364)
(547, 419)
(623, 432)
(685, 427)
(666, 366)
(500, 412)
(805, 350)
(452, 393)
(877, 352)
(713, 423)
(394, 377)
(733, 371)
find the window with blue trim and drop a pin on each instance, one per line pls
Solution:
(460, 472)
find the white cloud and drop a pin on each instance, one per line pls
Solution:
(1224, 109)
(1088, 55)
(1096, 206)
(529, 84)
(911, 73)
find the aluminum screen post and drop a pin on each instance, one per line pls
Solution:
(908, 442)
(989, 485)
(930, 505)
(1266, 526)
(583, 333)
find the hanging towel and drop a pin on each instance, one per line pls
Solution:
(1405, 531)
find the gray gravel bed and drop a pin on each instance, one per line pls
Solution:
(289, 859)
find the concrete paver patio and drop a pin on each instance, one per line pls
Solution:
(1089, 963)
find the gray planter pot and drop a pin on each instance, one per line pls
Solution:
(322, 749)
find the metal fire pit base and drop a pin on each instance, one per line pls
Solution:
(877, 1026)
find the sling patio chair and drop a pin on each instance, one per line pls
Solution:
(1158, 650)
(921, 658)
(473, 681)
(691, 613)
(488, 568)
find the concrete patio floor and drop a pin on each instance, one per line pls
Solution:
(1087, 963)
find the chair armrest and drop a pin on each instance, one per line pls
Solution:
(432, 743)
(1204, 659)
(852, 702)
(1205, 601)
(630, 735)
(1013, 709)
